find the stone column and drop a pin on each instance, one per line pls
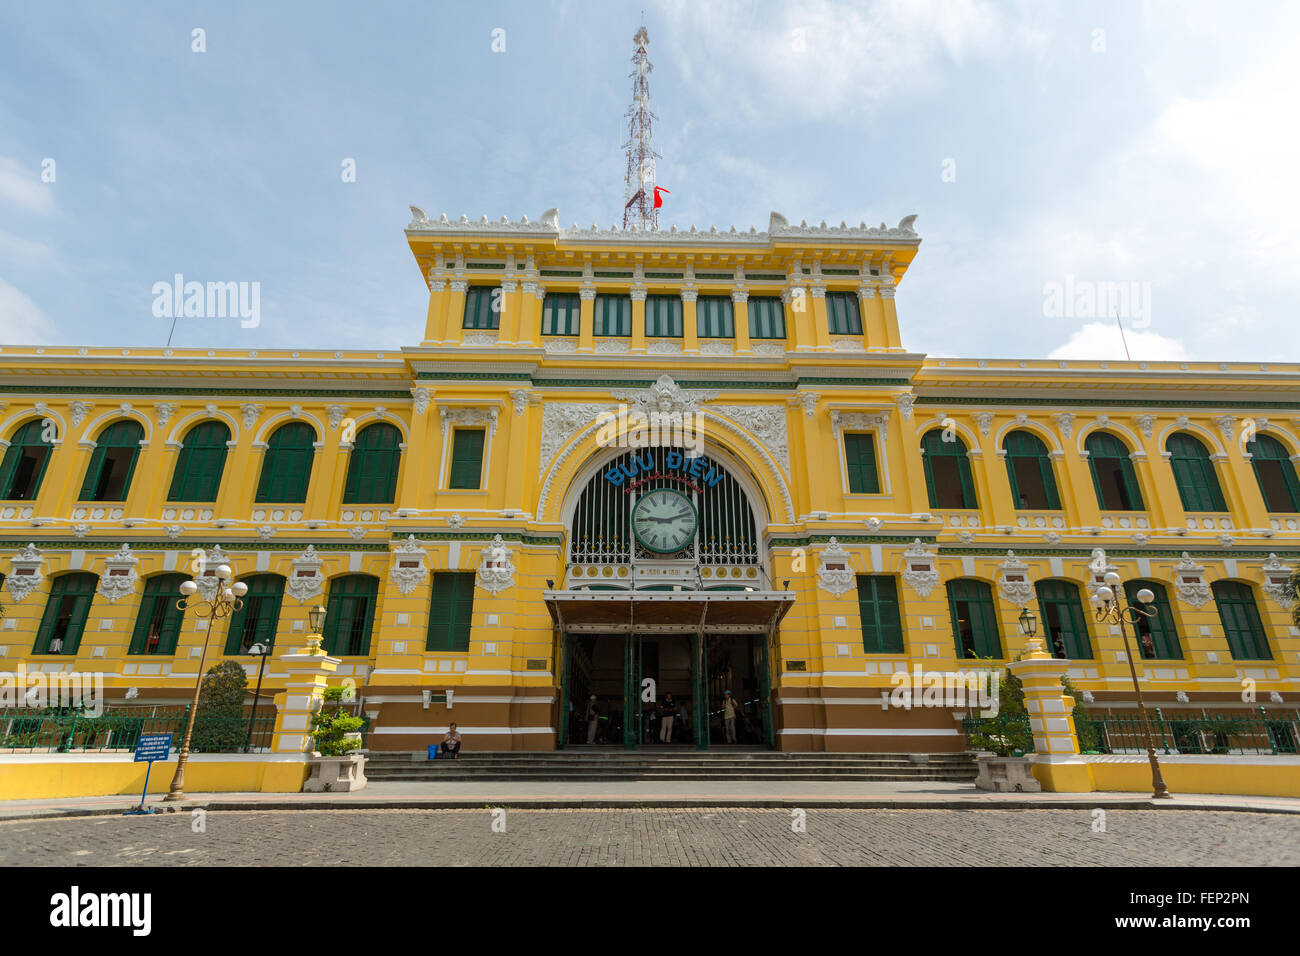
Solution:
(690, 331)
(873, 318)
(638, 319)
(587, 318)
(455, 311)
(304, 692)
(1057, 765)
(893, 340)
(740, 310)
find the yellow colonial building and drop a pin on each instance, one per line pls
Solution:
(496, 542)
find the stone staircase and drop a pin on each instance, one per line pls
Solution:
(596, 763)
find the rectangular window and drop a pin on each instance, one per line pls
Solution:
(613, 315)
(451, 611)
(466, 458)
(663, 316)
(714, 318)
(560, 313)
(842, 313)
(860, 460)
(482, 307)
(766, 318)
(882, 628)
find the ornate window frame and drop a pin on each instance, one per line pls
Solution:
(860, 419)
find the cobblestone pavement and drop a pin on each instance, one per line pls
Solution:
(695, 837)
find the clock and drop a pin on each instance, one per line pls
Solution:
(664, 521)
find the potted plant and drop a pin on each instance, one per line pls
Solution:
(335, 767)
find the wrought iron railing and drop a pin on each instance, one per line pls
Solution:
(70, 729)
(1261, 731)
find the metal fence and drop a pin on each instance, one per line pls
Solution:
(1261, 731)
(116, 729)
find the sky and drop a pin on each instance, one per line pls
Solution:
(1056, 155)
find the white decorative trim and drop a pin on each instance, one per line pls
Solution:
(480, 338)
(834, 574)
(408, 569)
(496, 572)
(522, 398)
(560, 422)
(25, 574)
(1276, 574)
(119, 577)
(421, 396)
(859, 421)
(841, 344)
(985, 421)
(767, 423)
(1146, 424)
(664, 347)
(336, 413)
(559, 345)
(918, 569)
(612, 345)
(665, 396)
(250, 413)
(716, 347)
(774, 349)
(1014, 583)
(904, 401)
(78, 411)
(1065, 422)
(306, 580)
(486, 417)
(1190, 583)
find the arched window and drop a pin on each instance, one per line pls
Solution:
(350, 615)
(200, 463)
(1112, 473)
(65, 614)
(1156, 637)
(1274, 471)
(158, 623)
(1198, 485)
(1241, 622)
(24, 463)
(372, 469)
(256, 621)
(286, 465)
(1065, 630)
(1033, 484)
(108, 477)
(974, 619)
(947, 472)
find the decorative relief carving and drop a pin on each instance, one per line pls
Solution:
(495, 571)
(767, 423)
(25, 572)
(560, 345)
(421, 396)
(1190, 584)
(408, 570)
(165, 411)
(119, 577)
(834, 573)
(560, 422)
(469, 416)
(1065, 422)
(665, 396)
(918, 569)
(79, 411)
(776, 349)
(1227, 426)
(985, 422)
(250, 413)
(851, 421)
(664, 347)
(905, 401)
(612, 345)
(480, 338)
(1146, 424)
(1276, 574)
(1014, 583)
(336, 413)
(522, 398)
(847, 345)
(715, 347)
(306, 580)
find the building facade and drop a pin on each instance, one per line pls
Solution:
(497, 540)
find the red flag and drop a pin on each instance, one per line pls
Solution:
(659, 199)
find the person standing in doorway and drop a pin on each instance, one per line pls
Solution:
(666, 723)
(729, 716)
(593, 719)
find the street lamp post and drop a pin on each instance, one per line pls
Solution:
(225, 602)
(261, 649)
(1110, 611)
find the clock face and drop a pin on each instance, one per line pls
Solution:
(664, 521)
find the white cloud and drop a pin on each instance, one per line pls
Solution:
(21, 320)
(1102, 340)
(23, 187)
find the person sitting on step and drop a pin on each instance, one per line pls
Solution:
(451, 743)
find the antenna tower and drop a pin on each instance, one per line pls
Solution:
(639, 184)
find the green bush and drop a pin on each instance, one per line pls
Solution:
(221, 725)
(330, 729)
(1007, 733)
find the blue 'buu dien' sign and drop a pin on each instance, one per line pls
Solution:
(643, 466)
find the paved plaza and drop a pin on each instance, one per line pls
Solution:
(675, 837)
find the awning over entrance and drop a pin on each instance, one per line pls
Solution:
(667, 612)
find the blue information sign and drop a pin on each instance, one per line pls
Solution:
(153, 747)
(150, 747)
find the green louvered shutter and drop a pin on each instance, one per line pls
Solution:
(1275, 474)
(714, 318)
(479, 311)
(613, 315)
(200, 463)
(1242, 626)
(372, 471)
(466, 458)
(842, 313)
(766, 318)
(287, 464)
(860, 458)
(1062, 610)
(882, 629)
(158, 616)
(257, 620)
(1198, 485)
(1164, 643)
(70, 598)
(451, 611)
(350, 615)
(663, 316)
(970, 602)
(561, 313)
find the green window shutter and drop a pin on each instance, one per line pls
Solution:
(613, 315)
(1198, 485)
(93, 472)
(663, 316)
(451, 611)
(482, 307)
(766, 318)
(1106, 452)
(70, 598)
(466, 458)
(842, 313)
(1020, 445)
(27, 443)
(1061, 600)
(1269, 459)
(968, 499)
(200, 463)
(860, 458)
(1247, 639)
(287, 464)
(1164, 644)
(975, 600)
(123, 437)
(561, 312)
(372, 471)
(158, 616)
(927, 459)
(714, 317)
(350, 615)
(257, 620)
(882, 629)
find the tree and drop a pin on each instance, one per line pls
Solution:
(220, 725)
(1291, 593)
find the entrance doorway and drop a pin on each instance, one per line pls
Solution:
(631, 678)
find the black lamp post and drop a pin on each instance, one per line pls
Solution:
(262, 650)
